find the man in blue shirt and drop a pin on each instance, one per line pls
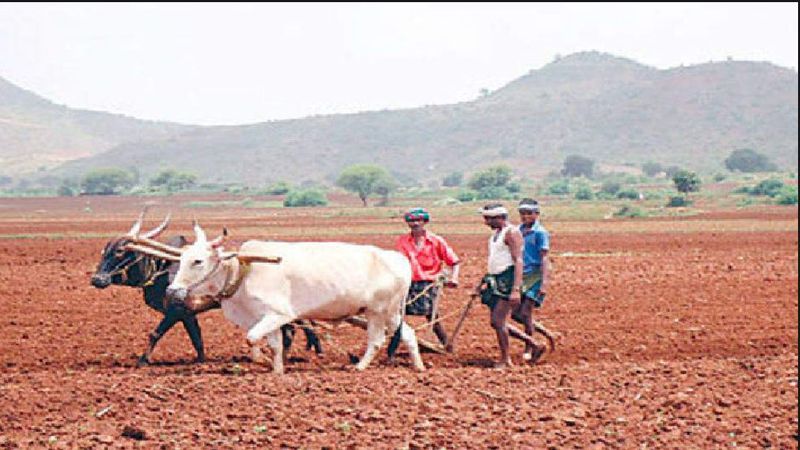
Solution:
(535, 272)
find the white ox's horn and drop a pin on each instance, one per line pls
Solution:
(152, 234)
(199, 234)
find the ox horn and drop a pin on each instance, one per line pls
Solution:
(134, 231)
(219, 239)
(152, 234)
(200, 235)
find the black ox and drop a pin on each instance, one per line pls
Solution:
(123, 267)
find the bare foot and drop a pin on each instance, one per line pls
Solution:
(503, 364)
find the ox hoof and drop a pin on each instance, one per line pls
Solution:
(142, 361)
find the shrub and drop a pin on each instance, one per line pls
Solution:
(584, 193)
(514, 186)
(453, 179)
(308, 197)
(173, 181)
(629, 211)
(279, 188)
(678, 202)
(494, 193)
(788, 196)
(466, 195)
(610, 187)
(495, 176)
(560, 187)
(628, 194)
(741, 190)
(770, 187)
(719, 177)
(107, 181)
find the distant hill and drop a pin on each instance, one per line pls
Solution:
(36, 133)
(611, 109)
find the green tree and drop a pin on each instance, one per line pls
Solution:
(173, 180)
(652, 169)
(577, 165)
(453, 179)
(106, 181)
(610, 187)
(495, 177)
(365, 180)
(68, 188)
(686, 181)
(748, 160)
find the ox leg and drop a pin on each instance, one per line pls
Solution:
(376, 335)
(409, 337)
(193, 330)
(275, 342)
(264, 327)
(312, 340)
(169, 321)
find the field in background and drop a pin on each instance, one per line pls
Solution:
(677, 329)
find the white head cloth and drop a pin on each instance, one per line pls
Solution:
(533, 207)
(496, 211)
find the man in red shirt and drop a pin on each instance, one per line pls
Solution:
(428, 253)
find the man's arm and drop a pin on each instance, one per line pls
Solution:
(545, 271)
(453, 281)
(450, 258)
(515, 244)
(544, 250)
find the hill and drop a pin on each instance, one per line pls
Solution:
(611, 109)
(37, 134)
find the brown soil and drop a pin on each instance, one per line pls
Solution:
(670, 340)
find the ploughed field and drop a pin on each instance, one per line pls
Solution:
(673, 332)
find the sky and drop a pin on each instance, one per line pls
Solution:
(238, 63)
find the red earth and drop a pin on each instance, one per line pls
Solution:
(666, 340)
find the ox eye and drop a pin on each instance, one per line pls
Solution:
(197, 262)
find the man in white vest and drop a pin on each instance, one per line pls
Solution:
(500, 288)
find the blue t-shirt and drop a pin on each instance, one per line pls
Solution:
(536, 240)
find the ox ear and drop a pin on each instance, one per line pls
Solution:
(137, 226)
(200, 235)
(219, 239)
(152, 234)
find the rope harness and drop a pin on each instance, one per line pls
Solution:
(230, 288)
(150, 270)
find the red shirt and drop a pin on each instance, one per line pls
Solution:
(426, 262)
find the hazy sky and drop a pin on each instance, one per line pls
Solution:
(242, 63)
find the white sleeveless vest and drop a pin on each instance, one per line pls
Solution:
(499, 253)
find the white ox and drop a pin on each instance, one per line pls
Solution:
(314, 280)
